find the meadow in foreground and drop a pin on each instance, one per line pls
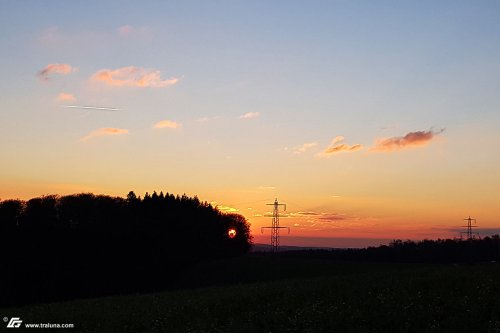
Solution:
(350, 297)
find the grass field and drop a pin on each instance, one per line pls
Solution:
(266, 294)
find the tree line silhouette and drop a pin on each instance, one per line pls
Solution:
(61, 247)
(455, 250)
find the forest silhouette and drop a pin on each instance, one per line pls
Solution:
(81, 245)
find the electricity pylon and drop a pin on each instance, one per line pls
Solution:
(469, 226)
(275, 228)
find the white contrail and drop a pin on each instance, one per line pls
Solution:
(90, 107)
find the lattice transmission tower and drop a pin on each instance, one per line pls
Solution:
(469, 226)
(275, 228)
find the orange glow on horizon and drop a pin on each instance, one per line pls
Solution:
(342, 221)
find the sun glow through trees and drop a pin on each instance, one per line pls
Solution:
(231, 233)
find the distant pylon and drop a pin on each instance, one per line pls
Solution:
(469, 226)
(275, 228)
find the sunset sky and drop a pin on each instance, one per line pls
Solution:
(371, 120)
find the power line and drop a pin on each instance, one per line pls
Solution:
(469, 226)
(275, 228)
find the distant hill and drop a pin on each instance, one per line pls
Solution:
(486, 249)
(285, 248)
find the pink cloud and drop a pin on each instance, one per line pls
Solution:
(336, 147)
(167, 124)
(250, 115)
(412, 139)
(132, 76)
(341, 147)
(125, 30)
(50, 69)
(65, 97)
(107, 131)
(129, 31)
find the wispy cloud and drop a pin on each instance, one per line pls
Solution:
(319, 216)
(125, 30)
(223, 208)
(314, 216)
(250, 115)
(318, 220)
(227, 209)
(167, 124)
(337, 146)
(207, 119)
(266, 188)
(130, 31)
(411, 139)
(66, 97)
(308, 213)
(305, 147)
(203, 119)
(50, 69)
(333, 217)
(90, 107)
(132, 76)
(107, 131)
